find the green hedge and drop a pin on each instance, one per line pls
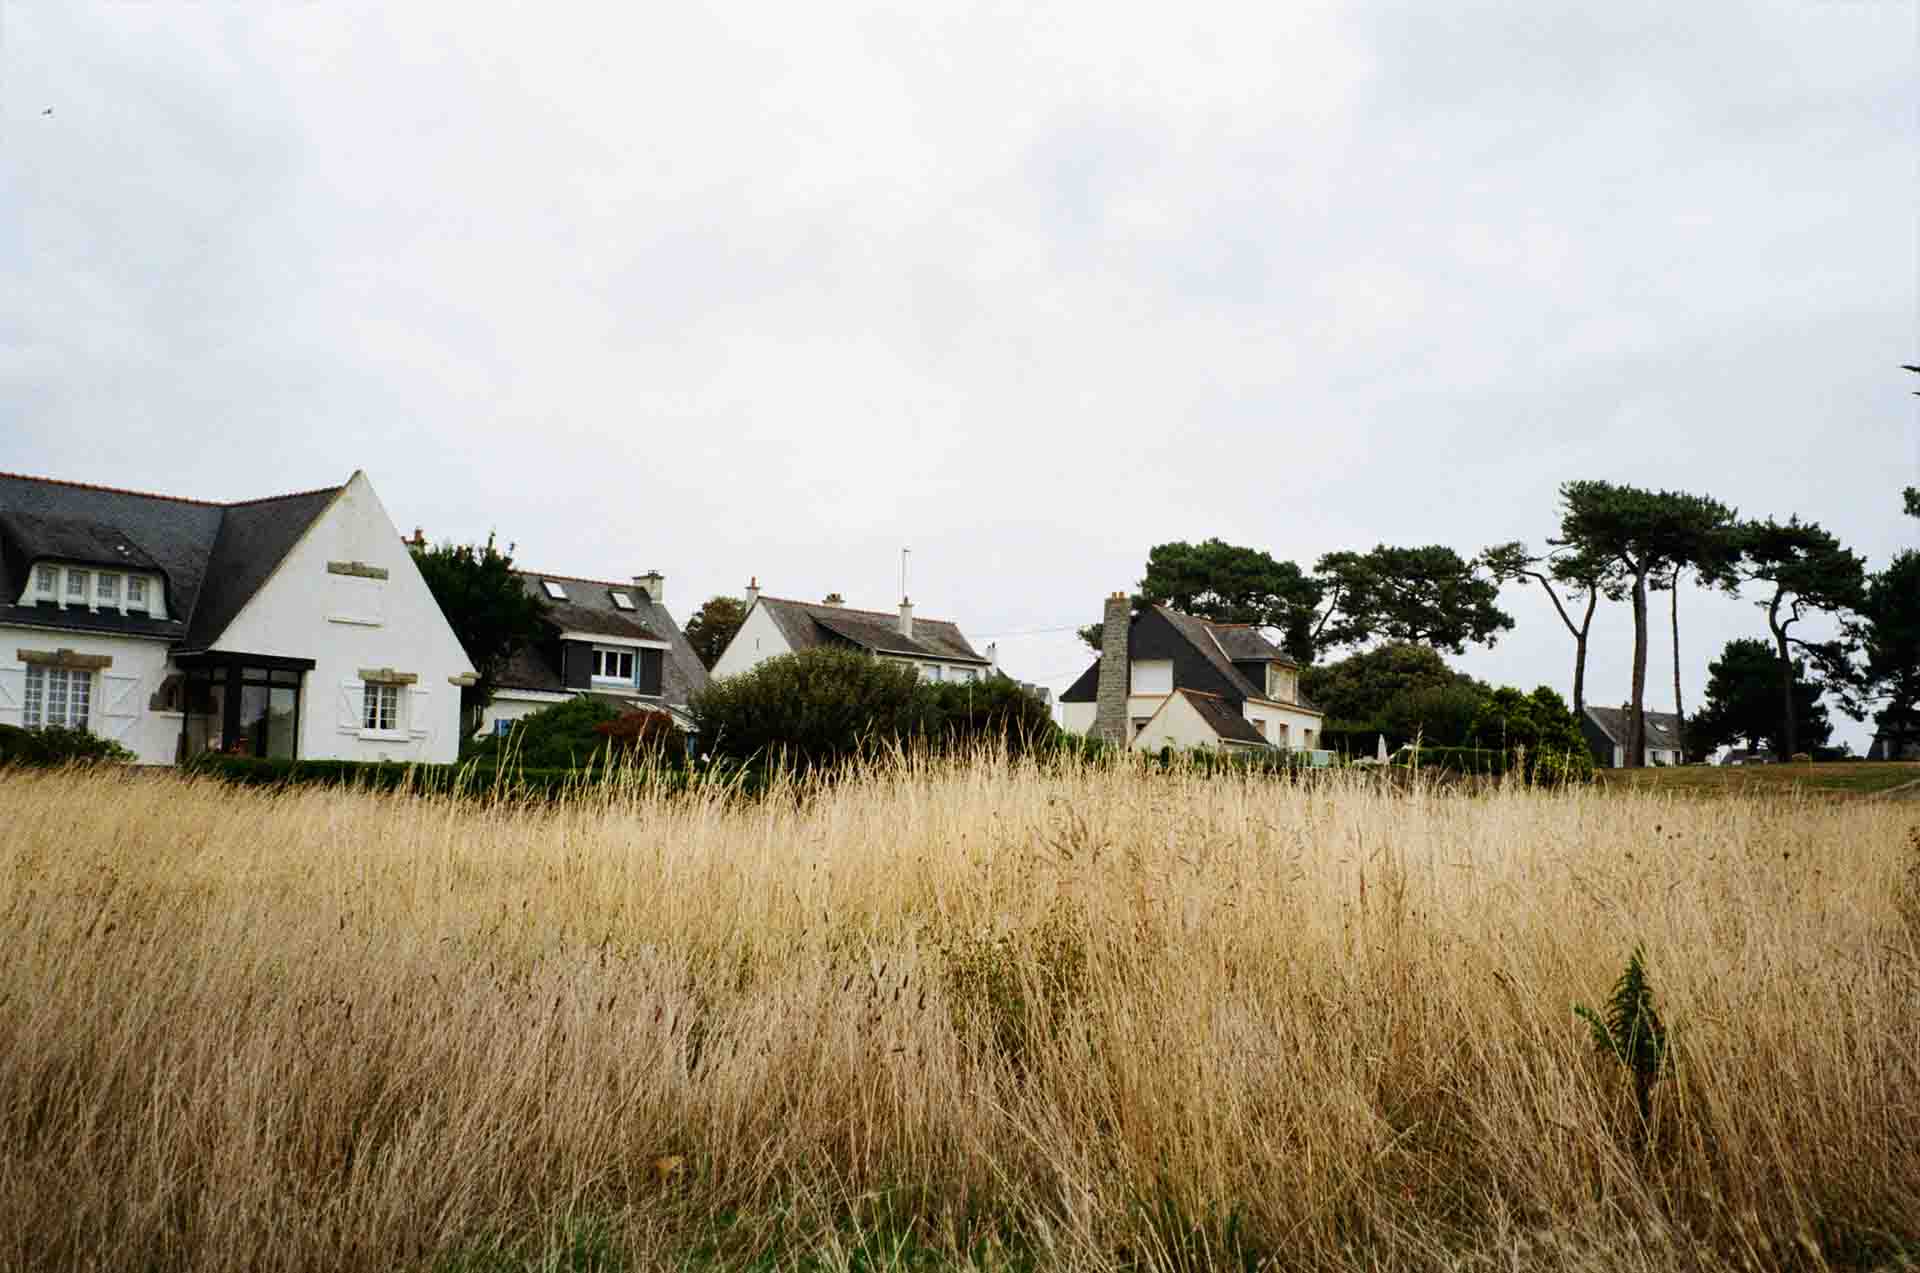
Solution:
(467, 780)
(57, 746)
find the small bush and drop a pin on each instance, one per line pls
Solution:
(564, 736)
(56, 745)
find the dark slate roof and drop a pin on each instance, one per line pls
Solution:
(806, 624)
(212, 557)
(1663, 728)
(589, 607)
(1222, 718)
(254, 538)
(1199, 634)
(1244, 643)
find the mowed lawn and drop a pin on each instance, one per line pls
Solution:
(1847, 777)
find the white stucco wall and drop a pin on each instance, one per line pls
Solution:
(1078, 718)
(1267, 717)
(1175, 725)
(514, 704)
(345, 623)
(120, 693)
(758, 639)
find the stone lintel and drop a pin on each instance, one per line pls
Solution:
(358, 569)
(65, 659)
(463, 679)
(387, 676)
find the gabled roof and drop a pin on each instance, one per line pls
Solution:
(1663, 728)
(806, 624)
(590, 607)
(1219, 645)
(211, 557)
(1222, 717)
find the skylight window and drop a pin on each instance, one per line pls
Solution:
(623, 601)
(554, 590)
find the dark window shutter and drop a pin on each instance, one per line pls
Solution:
(576, 665)
(651, 662)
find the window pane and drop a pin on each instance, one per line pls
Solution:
(136, 591)
(110, 589)
(36, 696)
(47, 580)
(76, 583)
(626, 665)
(79, 698)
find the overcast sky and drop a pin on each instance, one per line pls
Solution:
(776, 290)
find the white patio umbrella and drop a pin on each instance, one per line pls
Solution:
(1380, 750)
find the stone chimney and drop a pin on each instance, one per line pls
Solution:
(753, 591)
(655, 585)
(906, 618)
(1110, 705)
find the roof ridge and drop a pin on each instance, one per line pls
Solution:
(877, 614)
(625, 584)
(269, 499)
(171, 499)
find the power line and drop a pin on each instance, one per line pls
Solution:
(1070, 627)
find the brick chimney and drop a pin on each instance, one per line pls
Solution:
(654, 584)
(906, 618)
(1110, 705)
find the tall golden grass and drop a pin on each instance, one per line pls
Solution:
(1090, 1018)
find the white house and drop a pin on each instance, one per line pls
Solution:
(1606, 729)
(775, 626)
(1167, 679)
(605, 638)
(296, 626)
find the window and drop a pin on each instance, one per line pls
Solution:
(57, 696)
(930, 671)
(502, 727)
(554, 590)
(136, 593)
(965, 675)
(612, 665)
(77, 585)
(108, 591)
(46, 581)
(622, 601)
(382, 708)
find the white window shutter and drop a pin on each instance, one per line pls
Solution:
(353, 706)
(13, 689)
(418, 722)
(119, 704)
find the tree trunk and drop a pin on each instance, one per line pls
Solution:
(1580, 656)
(1636, 715)
(1789, 736)
(1679, 711)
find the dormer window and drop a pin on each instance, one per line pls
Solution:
(622, 601)
(77, 581)
(136, 593)
(107, 591)
(554, 590)
(46, 583)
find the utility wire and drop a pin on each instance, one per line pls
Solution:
(1070, 627)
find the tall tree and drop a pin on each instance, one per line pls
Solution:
(1229, 584)
(1570, 569)
(1637, 535)
(1428, 595)
(1712, 552)
(1354, 690)
(1743, 702)
(490, 610)
(712, 627)
(1808, 572)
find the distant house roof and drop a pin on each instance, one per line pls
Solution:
(806, 624)
(1663, 728)
(1221, 645)
(1223, 718)
(589, 606)
(211, 557)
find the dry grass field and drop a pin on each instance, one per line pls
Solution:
(1836, 778)
(974, 1016)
